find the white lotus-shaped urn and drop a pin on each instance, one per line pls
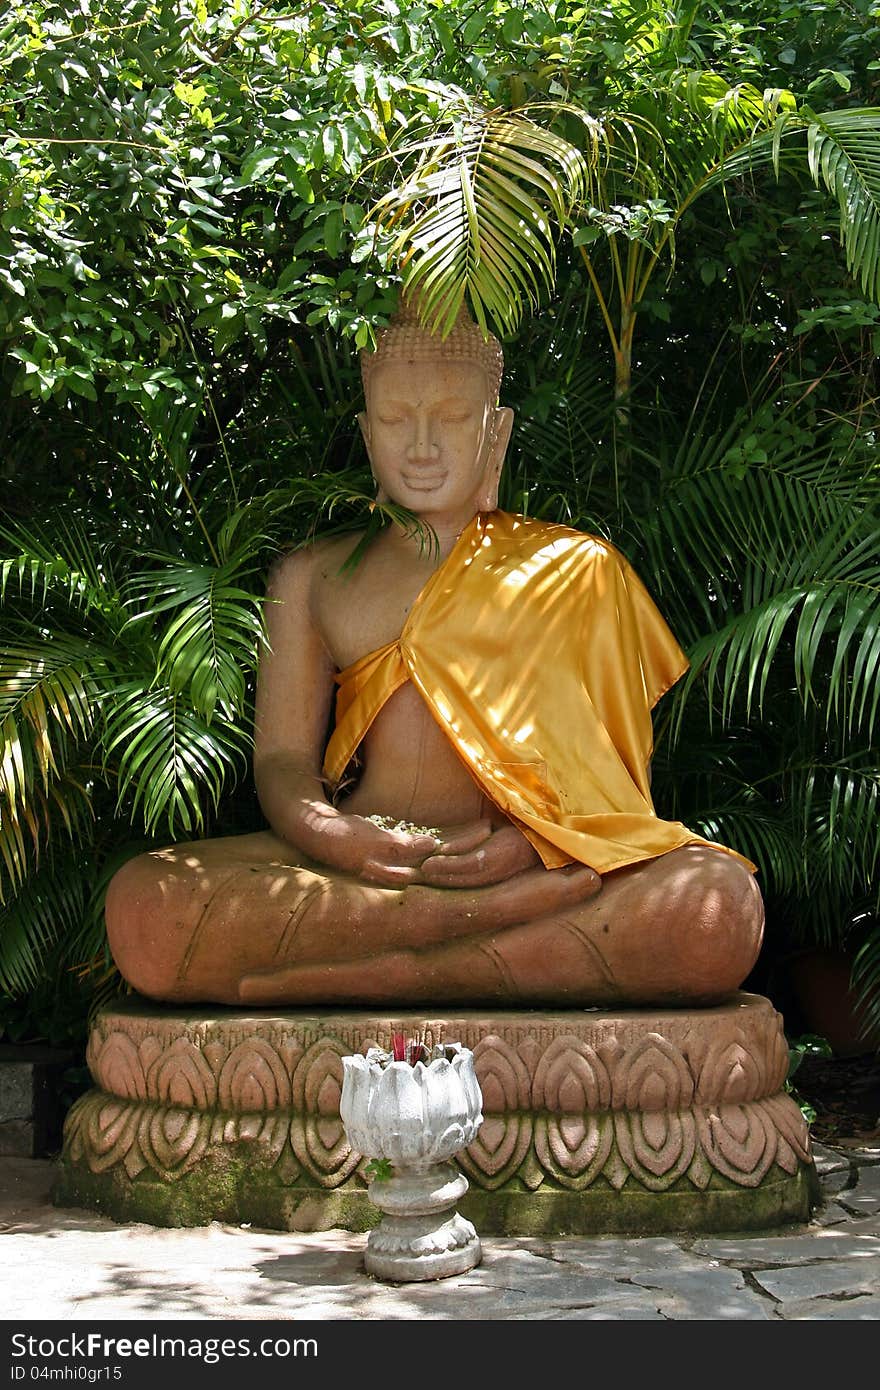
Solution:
(412, 1115)
(416, 1117)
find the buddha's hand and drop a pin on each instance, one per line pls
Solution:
(501, 855)
(392, 857)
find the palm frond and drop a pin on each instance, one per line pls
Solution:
(725, 784)
(777, 557)
(843, 149)
(562, 445)
(213, 635)
(36, 820)
(866, 981)
(739, 657)
(475, 218)
(47, 706)
(843, 155)
(169, 761)
(757, 829)
(54, 678)
(46, 907)
(840, 819)
(85, 946)
(741, 109)
(61, 560)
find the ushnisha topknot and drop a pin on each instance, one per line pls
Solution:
(405, 340)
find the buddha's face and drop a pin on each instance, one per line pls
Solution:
(435, 438)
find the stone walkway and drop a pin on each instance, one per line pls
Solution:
(75, 1266)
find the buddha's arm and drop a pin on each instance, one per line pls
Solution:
(295, 690)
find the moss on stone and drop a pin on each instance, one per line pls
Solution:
(228, 1187)
(232, 1187)
(778, 1201)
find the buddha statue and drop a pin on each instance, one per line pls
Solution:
(478, 828)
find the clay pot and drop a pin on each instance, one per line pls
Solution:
(820, 979)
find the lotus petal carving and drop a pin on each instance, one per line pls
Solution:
(574, 1148)
(652, 1074)
(658, 1146)
(110, 1127)
(180, 1076)
(172, 1140)
(498, 1150)
(116, 1066)
(739, 1141)
(253, 1078)
(502, 1076)
(731, 1072)
(571, 1078)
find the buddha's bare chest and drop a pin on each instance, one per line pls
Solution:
(358, 612)
(410, 767)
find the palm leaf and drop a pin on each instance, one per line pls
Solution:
(756, 829)
(777, 556)
(45, 909)
(560, 445)
(725, 784)
(38, 818)
(724, 110)
(54, 679)
(474, 219)
(86, 946)
(213, 635)
(843, 149)
(47, 696)
(866, 981)
(169, 761)
(843, 154)
(840, 820)
(739, 656)
(58, 561)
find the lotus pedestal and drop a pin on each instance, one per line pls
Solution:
(597, 1121)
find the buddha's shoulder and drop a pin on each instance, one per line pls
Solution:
(316, 561)
(516, 533)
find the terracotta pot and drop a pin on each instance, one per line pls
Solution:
(820, 979)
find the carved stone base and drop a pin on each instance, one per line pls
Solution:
(421, 1235)
(596, 1121)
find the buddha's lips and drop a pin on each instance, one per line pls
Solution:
(424, 482)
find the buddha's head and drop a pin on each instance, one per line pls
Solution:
(434, 431)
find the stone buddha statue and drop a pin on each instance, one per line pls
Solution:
(478, 827)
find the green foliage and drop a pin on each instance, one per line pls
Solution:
(807, 1045)
(470, 221)
(671, 215)
(378, 1170)
(174, 188)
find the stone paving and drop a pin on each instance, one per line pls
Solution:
(73, 1265)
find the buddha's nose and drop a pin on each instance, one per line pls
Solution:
(423, 446)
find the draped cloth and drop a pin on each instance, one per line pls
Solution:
(541, 654)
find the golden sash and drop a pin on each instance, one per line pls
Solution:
(540, 653)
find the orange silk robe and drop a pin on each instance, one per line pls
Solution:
(540, 653)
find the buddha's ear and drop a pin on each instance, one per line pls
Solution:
(363, 421)
(502, 424)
